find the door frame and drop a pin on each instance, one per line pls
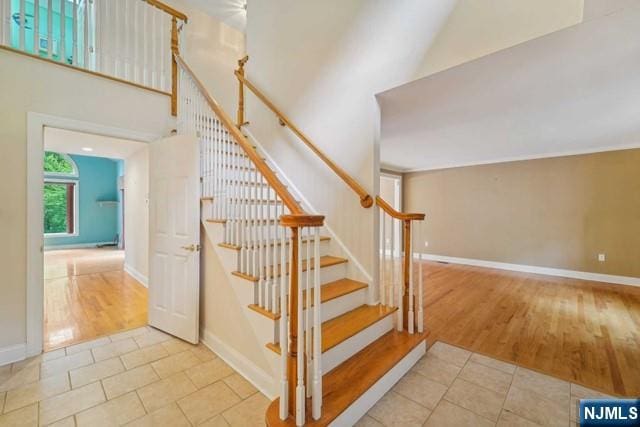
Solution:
(36, 122)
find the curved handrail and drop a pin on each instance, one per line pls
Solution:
(398, 215)
(365, 199)
(298, 216)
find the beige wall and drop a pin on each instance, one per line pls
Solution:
(558, 212)
(477, 28)
(30, 85)
(136, 213)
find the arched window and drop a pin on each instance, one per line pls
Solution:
(60, 165)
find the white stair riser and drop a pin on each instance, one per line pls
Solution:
(247, 232)
(327, 275)
(269, 258)
(330, 310)
(366, 401)
(221, 190)
(349, 347)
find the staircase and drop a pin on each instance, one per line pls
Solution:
(337, 343)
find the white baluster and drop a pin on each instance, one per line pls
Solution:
(4, 21)
(420, 285)
(410, 312)
(283, 336)
(74, 29)
(49, 27)
(300, 388)
(400, 284)
(272, 259)
(85, 36)
(316, 402)
(62, 43)
(308, 314)
(392, 283)
(36, 26)
(22, 26)
(383, 258)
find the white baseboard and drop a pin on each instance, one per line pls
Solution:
(75, 246)
(144, 280)
(255, 375)
(12, 353)
(572, 274)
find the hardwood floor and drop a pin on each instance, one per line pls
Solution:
(580, 331)
(87, 294)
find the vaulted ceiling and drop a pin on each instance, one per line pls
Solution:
(569, 92)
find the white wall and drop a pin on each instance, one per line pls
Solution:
(322, 63)
(478, 28)
(136, 214)
(212, 49)
(30, 85)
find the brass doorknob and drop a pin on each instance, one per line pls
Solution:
(191, 248)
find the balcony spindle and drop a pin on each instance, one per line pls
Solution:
(36, 26)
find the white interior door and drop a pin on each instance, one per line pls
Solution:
(174, 236)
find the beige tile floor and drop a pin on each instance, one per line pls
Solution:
(141, 377)
(453, 387)
(144, 377)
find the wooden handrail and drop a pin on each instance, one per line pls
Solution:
(398, 215)
(365, 199)
(168, 9)
(298, 216)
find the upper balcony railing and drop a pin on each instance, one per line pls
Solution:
(127, 40)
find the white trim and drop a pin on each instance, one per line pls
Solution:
(12, 353)
(567, 153)
(572, 274)
(74, 245)
(254, 374)
(144, 280)
(35, 233)
(304, 200)
(357, 409)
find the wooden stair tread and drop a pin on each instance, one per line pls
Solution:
(343, 327)
(278, 243)
(351, 379)
(328, 292)
(325, 261)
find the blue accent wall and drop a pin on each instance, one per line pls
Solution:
(98, 180)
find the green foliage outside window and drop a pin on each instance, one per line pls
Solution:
(55, 208)
(57, 163)
(56, 195)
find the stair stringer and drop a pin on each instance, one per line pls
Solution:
(232, 330)
(356, 270)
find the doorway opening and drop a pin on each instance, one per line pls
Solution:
(95, 259)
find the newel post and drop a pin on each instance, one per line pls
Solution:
(240, 117)
(174, 66)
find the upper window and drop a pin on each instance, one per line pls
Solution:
(58, 164)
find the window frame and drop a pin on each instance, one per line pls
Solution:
(76, 210)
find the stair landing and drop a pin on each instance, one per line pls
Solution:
(347, 382)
